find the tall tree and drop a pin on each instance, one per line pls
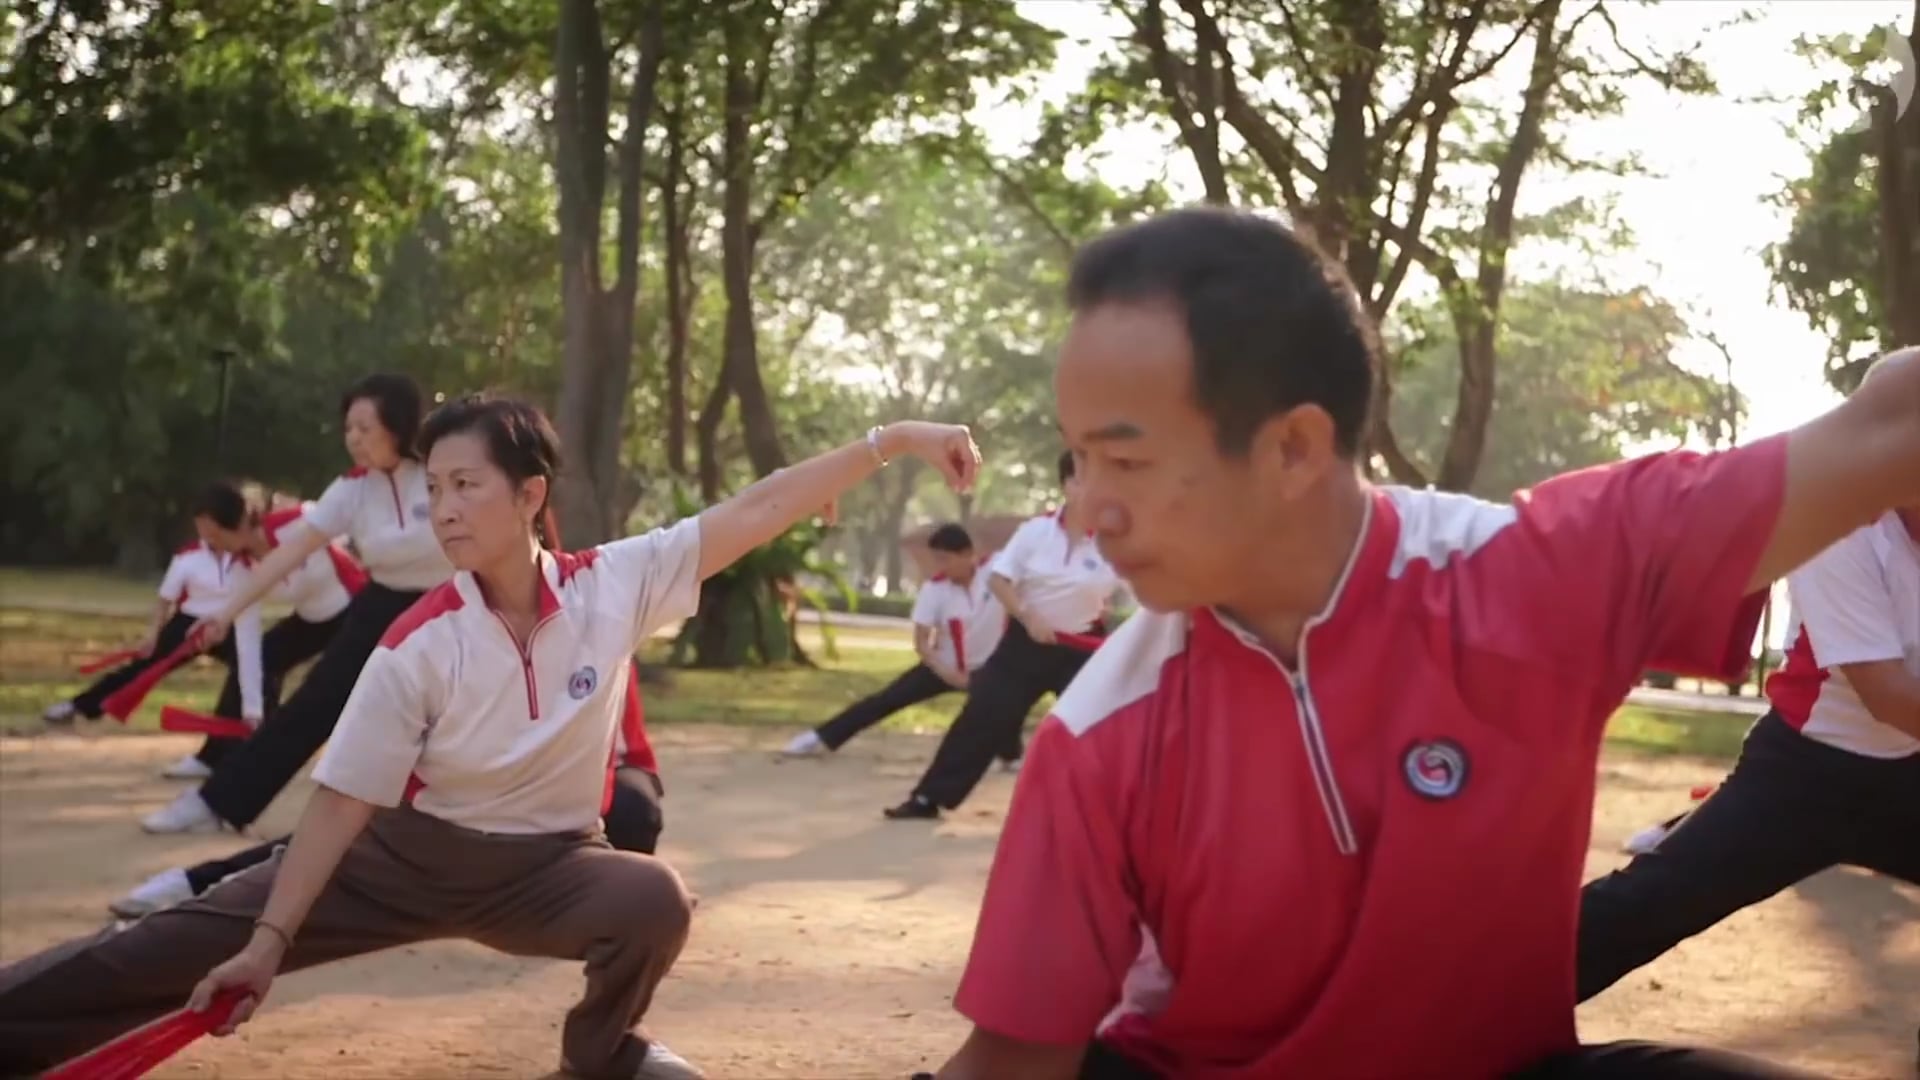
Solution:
(805, 86)
(1397, 134)
(1851, 259)
(598, 348)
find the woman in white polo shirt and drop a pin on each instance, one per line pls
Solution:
(461, 793)
(380, 505)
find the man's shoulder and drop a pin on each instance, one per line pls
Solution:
(1126, 673)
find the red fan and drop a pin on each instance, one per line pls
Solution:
(122, 702)
(174, 718)
(132, 1055)
(107, 660)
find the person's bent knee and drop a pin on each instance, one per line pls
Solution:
(642, 897)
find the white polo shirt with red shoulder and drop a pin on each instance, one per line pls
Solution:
(199, 582)
(1858, 602)
(321, 587)
(1061, 580)
(1367, 864)
(969, 618)
(384, 513)
(506, 736)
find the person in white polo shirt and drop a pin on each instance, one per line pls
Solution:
(957, 623)
(380, 506)
(1830, 776)
(1052, 580)
(462, 791)
(200, 580)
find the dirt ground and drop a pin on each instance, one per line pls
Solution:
(828, 941)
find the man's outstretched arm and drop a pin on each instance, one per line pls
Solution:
(1848, 467)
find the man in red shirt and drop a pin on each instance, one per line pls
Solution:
(1321, 810)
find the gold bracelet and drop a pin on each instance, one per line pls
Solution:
(285, 938)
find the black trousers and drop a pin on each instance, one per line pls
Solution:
(249, 777)
(286, 645)
(633, 823)
(999, 695)
(1791, 808)
(915, 685)
(91, 702)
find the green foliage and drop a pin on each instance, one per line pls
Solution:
(1585, 376)
(742, 618)
(1828, 265)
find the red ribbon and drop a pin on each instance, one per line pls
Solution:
(174, 718)
(122, 702)
(103, 662)
(138, 1051)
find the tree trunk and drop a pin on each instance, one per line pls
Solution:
(741, 348)
(1477, 319)
(707, 430)
(899, 497)
(676, 206)
(597, 348)
(1896, 137)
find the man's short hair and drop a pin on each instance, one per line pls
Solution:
(951, 538)
(1272, 322)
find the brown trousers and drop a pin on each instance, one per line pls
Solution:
(410, 877)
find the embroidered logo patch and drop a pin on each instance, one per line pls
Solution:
(583, 682)
(419, 511)
(1435, 769)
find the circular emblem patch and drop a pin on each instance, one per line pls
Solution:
(1435, 769)
(420, 511)
(583, 682)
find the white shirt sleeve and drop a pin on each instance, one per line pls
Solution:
(927, 607)
(246, 653)
(658, 573)
(1845, 604)
(381, 731)
(1010, 562)
(174, 585)
(332, 515)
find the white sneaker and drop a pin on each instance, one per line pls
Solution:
(187, 768)
(60, 712)
(162, 890)
(663, 1064)
(659, 1064)
(186, 814)
(1011, 766)
(805, 744)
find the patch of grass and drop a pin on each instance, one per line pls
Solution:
(1662, 732)
(40, 648)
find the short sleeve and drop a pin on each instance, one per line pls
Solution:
(1010, 562)
(174, 585)
(333, 513)
(1058, 929)
(1645, 564)
(927, 606)
(381, 731)
(658, 573)
(1846, 605)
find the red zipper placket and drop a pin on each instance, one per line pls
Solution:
(526, 659)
